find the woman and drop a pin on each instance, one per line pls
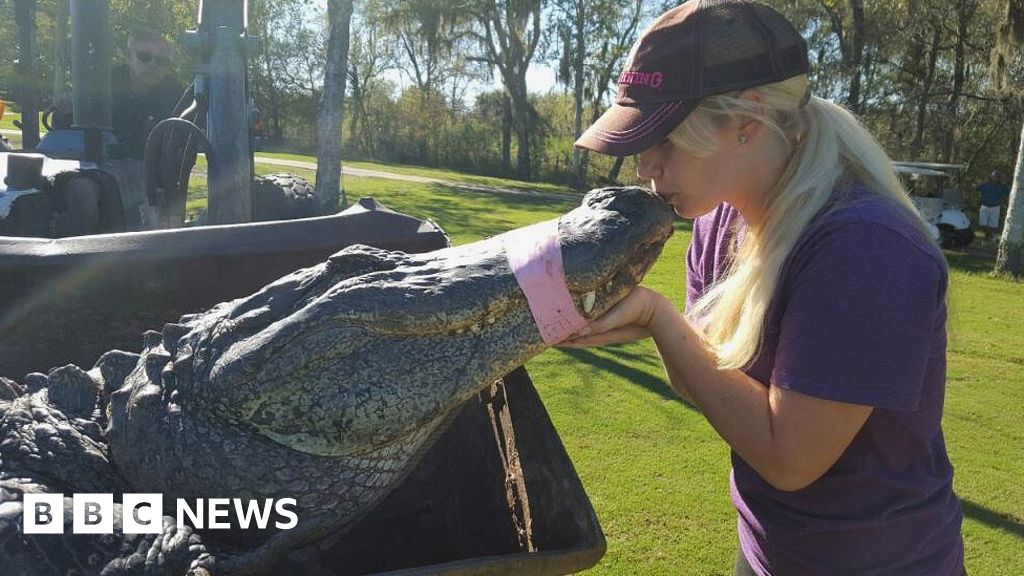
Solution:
(815, 337)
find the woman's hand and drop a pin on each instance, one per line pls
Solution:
(627, 321)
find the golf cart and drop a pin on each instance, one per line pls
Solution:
(934, 193)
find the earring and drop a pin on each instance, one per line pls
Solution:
(743, 138)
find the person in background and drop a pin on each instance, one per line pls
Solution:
(814, 340)
(144, 90)
(5, 145)
(993, 192)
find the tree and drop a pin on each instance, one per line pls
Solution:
(370, 55)
(264, 20)
(847, 22)
(1010, 39)
(429, 35)
(332, 107)
(594, 35)
(287, 74)
(511, 33)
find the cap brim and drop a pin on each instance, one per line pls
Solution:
(625, 130)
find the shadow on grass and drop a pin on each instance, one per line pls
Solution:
(517, 201)
(992, 518)
(970, 263)
(483, 217)
(480, 218)
(620, 366)
(683, 225)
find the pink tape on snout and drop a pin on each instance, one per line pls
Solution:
(535, 258)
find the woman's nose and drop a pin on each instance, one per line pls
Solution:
(647, 165)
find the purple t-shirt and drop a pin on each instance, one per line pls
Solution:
(859, 316)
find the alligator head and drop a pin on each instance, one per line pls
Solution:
(327, 384)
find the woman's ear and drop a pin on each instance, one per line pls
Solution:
(750, 128)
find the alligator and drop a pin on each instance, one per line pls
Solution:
(325, 386)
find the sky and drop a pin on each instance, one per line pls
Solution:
(540, 79)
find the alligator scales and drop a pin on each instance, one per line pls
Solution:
(325, 386)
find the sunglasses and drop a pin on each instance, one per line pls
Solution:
(147, 57)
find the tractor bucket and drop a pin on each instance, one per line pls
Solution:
(497, 493)
(72, 299)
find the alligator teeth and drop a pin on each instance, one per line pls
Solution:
(475, 328)
(491, 320)
(588, 301)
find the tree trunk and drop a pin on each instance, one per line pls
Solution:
(523, 126)
(926, 88)
(61, 54)
(613, 174)
(512, 31)
(965, 11)
(332, 108)
(523, 168)
(368, 139)
(579, 158)
(1010, 258)
(856, 57)
(506, 134)
(353, 121)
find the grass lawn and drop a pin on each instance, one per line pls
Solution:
(438, 173)
(656, 472)
(7, 122)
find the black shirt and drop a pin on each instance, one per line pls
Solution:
(135, 114)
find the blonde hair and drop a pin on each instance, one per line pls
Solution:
(827, 149)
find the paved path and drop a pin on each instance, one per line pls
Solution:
(419, 179)
(403, 177)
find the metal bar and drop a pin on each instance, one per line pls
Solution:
(217, 13)
(60, 50)
(90, 63)
(230, 171)
(28, 76)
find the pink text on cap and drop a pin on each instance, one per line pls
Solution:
(535, 257)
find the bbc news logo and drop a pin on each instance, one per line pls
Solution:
(143, 513)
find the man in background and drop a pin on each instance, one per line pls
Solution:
(144, 90)
(993, 192)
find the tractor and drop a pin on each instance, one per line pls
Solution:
(78, 179)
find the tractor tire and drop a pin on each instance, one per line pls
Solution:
(947, 239)
(282, 196)
(951, 238)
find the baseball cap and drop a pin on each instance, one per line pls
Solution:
(698, 49)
